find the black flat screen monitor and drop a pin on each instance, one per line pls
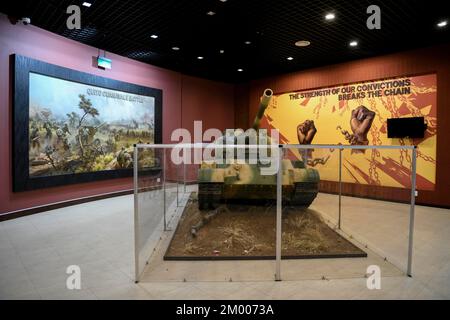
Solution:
(413, 127)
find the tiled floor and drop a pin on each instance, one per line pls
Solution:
(98, 236)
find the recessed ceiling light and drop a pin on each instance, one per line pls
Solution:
(223, 0)
(290, 58)
(210, 13)
(353, 43)
(200, 58)
(222, 51)
(87, 4)
(240, 70)
(154, 36)
(176, 48)
(248, 42)
(442, 23)
(330, 16)
(302, 43)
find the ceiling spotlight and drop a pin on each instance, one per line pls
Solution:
(223, 0)
(154, 36)
(290, 58)
(302, 43)
(175, 48)
(200, 58)
(330, 16)
(87, 4)
(222, 51)
(353, 43)
(248, 42)
(240, 70)
(442, 23)
(210, 13)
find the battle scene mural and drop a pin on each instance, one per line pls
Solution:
(78, 128)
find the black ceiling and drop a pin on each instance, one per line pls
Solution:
(272, 26)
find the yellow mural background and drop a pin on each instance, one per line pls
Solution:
(374, 167)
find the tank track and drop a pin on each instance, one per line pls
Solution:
(209, 195)
(304, 193)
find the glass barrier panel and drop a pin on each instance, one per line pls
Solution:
(310, 246)
(170, 186)
(326, 163)
(224, 229)
(149, 204)
(376, 205)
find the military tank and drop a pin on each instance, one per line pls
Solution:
(244, 182)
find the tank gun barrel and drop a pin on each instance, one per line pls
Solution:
(265, 100)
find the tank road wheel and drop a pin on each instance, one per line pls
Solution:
(304, 193)
(209, 195)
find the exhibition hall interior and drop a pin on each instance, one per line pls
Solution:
(224, 150)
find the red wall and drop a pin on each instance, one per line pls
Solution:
(427, 60)
(185, 99)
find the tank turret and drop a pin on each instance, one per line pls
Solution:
(245, 182)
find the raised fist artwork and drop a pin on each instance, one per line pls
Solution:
(360, 123)
(306, 132)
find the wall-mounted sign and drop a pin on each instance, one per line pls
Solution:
(104, 63)
(357, 114)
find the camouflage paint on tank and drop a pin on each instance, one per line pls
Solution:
(236, 181)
